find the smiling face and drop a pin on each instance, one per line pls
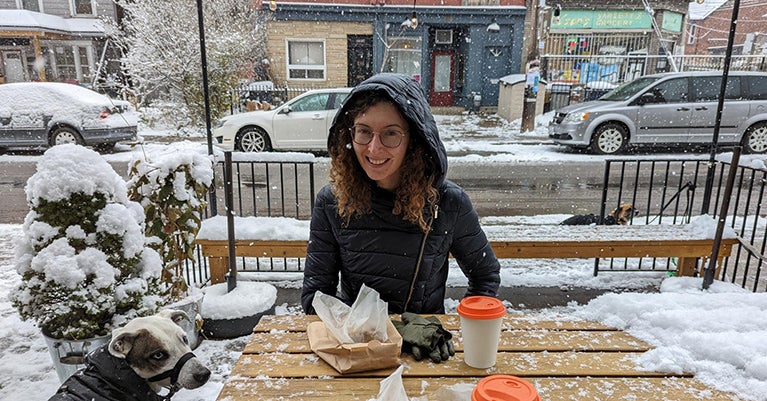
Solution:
(382, 164)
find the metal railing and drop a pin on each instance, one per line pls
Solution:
(280, 185)
(263, 96)
(665, 191)
(574, 78)
(670, 192)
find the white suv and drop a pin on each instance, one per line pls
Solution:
(666, 109)
(300, 124)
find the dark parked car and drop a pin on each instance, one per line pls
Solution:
(35, 114)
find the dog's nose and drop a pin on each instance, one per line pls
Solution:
(202, 376)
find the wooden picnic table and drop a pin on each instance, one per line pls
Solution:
(564, 359)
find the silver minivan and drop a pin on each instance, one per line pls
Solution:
(668, 109)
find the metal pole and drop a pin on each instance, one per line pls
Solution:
(528, 105)
(101, 63)
(206, 98)
(231, 278)
(718, 122)
(708, 275)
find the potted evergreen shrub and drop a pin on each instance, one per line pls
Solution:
(84, 265)
(171, 187)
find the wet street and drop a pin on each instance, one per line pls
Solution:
(496, 189)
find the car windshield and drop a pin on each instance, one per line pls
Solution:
(629, 89)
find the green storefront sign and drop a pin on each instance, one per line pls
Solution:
(602, 19)
(672, 21)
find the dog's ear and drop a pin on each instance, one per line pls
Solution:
(121, 344)
(176, 316)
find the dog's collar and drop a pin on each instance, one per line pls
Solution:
(173, 373)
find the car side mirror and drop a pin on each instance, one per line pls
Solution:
(645, 98)
(285, 110)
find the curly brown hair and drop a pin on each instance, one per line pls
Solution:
(351, 185)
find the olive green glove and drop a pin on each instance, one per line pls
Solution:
(425, 337)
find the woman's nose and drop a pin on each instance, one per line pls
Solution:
(375, 143)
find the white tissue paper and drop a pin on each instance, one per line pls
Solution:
(366, 320)
(392, 388)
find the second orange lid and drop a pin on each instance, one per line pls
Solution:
(481, 307)
(504, 388)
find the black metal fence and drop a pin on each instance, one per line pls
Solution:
(671, 192)
(665, 191)
(277, 185)
(263, 96)
(575, 78)
(273, 185)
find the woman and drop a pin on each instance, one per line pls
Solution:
(389, 218)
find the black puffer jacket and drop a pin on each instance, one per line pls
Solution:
(381, 249)
(105, 378)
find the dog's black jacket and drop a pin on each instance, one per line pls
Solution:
(588, 219)
(105, 378)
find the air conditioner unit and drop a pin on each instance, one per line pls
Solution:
(443, 37)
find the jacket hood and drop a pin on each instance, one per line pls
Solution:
(408, 95)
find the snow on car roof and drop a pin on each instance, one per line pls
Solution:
(24, 89)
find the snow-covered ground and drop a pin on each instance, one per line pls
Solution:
(718, 334)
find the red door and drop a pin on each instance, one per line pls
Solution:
(442, 78)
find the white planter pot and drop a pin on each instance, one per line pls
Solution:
(68, 355)
(191, 306)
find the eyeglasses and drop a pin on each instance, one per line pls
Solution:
(391, 138)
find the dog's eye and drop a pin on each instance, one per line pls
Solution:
(159, 356)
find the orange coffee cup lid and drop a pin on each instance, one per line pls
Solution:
(481, 307)
(504, 388)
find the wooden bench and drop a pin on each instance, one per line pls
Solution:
(686, 242)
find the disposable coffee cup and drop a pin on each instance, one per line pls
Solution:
(504, 388)
(481, 319)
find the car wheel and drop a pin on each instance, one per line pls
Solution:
(65, 135)
(755, 139)
(609, 139)
(253, 140)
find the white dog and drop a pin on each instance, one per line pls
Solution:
(148, 354)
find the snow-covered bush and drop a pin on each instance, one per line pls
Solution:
(171, 187)
(84, 265)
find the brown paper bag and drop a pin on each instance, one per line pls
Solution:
(356, 357)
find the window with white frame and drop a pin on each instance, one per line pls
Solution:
(72, 61)
(404, 56)
(306, 59)
(31, 5)
(82, 7)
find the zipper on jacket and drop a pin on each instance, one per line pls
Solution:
(420, 257)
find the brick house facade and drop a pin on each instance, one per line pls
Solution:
(708, 29)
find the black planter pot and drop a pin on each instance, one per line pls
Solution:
(232, 328)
